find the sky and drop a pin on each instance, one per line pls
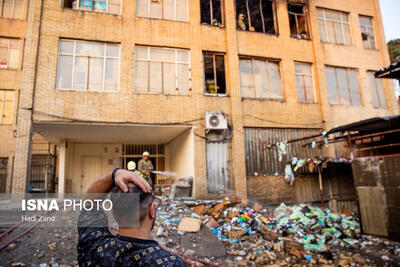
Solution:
(391, 20)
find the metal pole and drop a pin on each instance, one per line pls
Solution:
(321, 189)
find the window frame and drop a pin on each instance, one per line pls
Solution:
(93, 10)
(74, 56)
(215, 73)
(176, 62)
(162, 8)
(341, 22)
(13, 10)
(2, 103)
(275, 17)
(347, 69)
(314, 101)
(8, 53)
(366, 30)
(371, 72)
(222, 3)
(278, 61)
(306, 16)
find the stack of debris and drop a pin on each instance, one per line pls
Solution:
(256, 235)
(312, 227)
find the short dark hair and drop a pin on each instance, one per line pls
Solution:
(123, 212)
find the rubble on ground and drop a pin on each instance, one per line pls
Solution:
(286, 236)
(230, 232)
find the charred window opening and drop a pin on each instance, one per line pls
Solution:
(256, 16)
(298, 20)
(68, 3)
(214, 73)
(211, 12)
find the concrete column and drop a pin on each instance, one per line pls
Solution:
(23, 142)
(61, 169)
(236, 116)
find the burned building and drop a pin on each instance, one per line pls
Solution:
(207, 87)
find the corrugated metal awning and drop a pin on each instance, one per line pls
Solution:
(370, 125)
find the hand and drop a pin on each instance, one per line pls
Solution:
(123, 177)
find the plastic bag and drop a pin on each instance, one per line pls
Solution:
(289, 175)
(300, 163)
(281, 146)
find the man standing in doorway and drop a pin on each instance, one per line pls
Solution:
(145, 167)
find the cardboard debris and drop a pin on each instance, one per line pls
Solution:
(236, 233)
(189, 225)
(290, 245)
(346, 212)
(220, 207)
(200, 209)
(268, 235)
(234, 199)
(233, 213)
(211, 222)
(257, 207)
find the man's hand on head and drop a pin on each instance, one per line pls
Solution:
(124, 177)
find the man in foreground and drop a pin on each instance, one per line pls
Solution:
(133, 246)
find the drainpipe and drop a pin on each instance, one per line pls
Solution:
(28, 171)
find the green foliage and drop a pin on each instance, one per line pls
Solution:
(394, 50)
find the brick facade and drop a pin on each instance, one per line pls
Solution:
(129, 30)
(10, 79)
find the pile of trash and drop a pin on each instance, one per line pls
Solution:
(313, 227)
(257, 235)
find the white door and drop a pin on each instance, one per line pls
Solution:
(91, 170)
(217, 166)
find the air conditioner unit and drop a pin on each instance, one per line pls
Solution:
(216, 120)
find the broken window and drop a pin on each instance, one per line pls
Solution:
(260, 78)
(9, 53)
(377, 91)
(334, 26)
(367, 32)
(6, 106)
(107, 6)
(304, 82)
(214, 73)
(298, 19)
(211, 12)
(91, 66)
(256, 16)
(13, 9)
(162, 70)
(163, 9)
(343, 86)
